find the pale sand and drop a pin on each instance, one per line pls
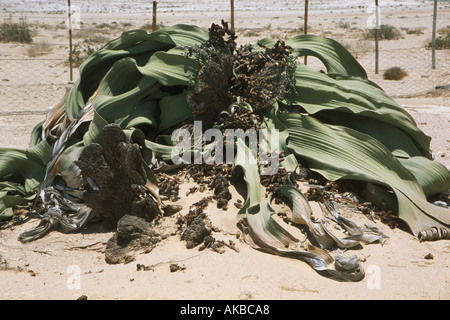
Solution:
(395, 270)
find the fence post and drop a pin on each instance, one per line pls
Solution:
(232, 14)
(433, 37)
(377, 26)
(305, 28)
(155, 3)
(70, 42)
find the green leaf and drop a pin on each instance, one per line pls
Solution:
(42, 151)
(272, 122)
(17, 165)
(95, 132)
(265, 42)
(265, 233)
(144, 114)
(394, 139)
(136, 44)
(161, 151)
(19, 175)
(432, 176)
(121, 90)
(319, 93)
(174, 110)
(185, 35)
(171, 68)
(334, 56)
(342, 153)
(8, 202)
(36, 134)
(12, 195)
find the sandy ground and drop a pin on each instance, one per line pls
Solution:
(61, 266)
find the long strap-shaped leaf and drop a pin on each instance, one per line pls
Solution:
(126, 87)
(271, 122)
(334, 56)
(116, 84)
(266, 234)
(136, 44)
(396, 140)
(12, 195)
(341, 153)
(318, 93)
(432, 176)
(185, 35)
(25, 170)
(17, 165)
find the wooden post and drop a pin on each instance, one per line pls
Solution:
(433, 37)
(305, 27)
(232, 14)
(70, 42)
(155, 3)
(377, 26)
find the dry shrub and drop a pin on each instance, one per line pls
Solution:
(394, 73)
(358, 48)
(441, 43)
(386, 32)
(415, 31)
(343, 24)
(39, 48)
(15, 32)
(444, 30)
(82, 51)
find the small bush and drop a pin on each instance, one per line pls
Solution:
(444, 30)
(386, 32)
(343, 24)
(358, 48)
(85, 49)
(252, 33)
(15, 32)
(441, 43)
(39, 48)
(149, 26)
(395, 73)
(104, 25)
(415, 31)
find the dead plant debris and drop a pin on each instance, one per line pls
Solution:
(173, 267)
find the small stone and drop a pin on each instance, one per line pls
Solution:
(175, 267)
(195, 232)
(429, 256)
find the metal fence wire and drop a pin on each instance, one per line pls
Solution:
(31, 85)
(34, 76)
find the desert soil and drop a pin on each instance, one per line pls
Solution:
(398, 269)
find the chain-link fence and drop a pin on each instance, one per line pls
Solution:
(405, 53)
(33, 68)
(31, 85)
(34, 76)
